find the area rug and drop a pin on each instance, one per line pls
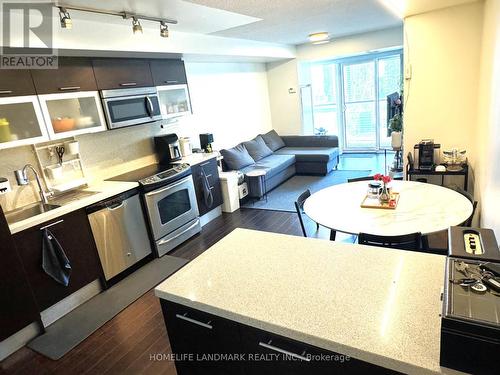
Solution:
(283, 197)
(66, 333)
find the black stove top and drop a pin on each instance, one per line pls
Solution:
(142, 173)
(155, 175)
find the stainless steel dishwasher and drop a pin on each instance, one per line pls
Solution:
(120, 233)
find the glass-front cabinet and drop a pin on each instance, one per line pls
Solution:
(21, 121)
(174, 101)
(72, 114)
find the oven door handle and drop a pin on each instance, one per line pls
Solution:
(163, 242)
(149, 106)
(156, 192)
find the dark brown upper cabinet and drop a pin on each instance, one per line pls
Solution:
(168, 72)
(16, 82)
(122, 73)
(18, 304)
(73, 74)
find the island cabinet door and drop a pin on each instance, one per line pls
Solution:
(202, 344)
(273, 354)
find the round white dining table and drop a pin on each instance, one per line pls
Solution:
(422, 207)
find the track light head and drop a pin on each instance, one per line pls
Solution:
(136, 25)
(163, 29)
(65, 18)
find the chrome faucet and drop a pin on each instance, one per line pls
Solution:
(22, 179)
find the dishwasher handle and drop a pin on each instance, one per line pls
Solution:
(112, 203)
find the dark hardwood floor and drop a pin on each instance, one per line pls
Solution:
(124, 344)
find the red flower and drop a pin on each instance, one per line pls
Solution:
(377, 177)
(386, 179)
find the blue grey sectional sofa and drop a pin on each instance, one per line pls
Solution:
(282, 157)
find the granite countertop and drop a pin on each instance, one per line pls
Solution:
(198, 158)
(104, 190)
(378, 305)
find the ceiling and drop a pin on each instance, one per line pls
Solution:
(291, 21)
(192, 18)
(274, 21)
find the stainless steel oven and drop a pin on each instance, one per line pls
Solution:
(173, 213)
(126, 107)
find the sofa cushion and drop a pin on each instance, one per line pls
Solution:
(237, 157)
(274, 164)
(257, 148)
(273, 140)
(310, 154)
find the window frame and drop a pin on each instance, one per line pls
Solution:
(339, 68)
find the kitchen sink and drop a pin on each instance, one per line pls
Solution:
(28, 211)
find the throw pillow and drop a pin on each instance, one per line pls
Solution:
(273, 140)
(237, 157)
(257, 148)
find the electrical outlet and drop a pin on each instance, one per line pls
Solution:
(4, 186)
(408, 72)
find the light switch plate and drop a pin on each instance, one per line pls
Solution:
(4, 186)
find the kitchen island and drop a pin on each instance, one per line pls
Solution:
(258, 292)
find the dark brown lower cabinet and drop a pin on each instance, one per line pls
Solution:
(195, 336)
(17, 305)
(207, 171)
(75, 236)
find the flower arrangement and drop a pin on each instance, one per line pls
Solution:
(384, 196)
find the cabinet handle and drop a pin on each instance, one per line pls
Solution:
(201, 324)
(208, 175)
(206, 163)
(283, 351)
(171, 81)
(52, 224)
(6, 92)
(69, 88)
(128, 84)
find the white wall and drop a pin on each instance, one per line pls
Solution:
(229, 100)
(488, 129)
(443, 49)
(286, 107)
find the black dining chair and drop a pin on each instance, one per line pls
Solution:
(411, 241)
(299, 207)
(470, 197)
(365, 178)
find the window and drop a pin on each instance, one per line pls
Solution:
(349, 98)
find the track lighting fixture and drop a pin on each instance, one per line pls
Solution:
(136, 25)
(65, 18)
(66, 21)
(163, 29)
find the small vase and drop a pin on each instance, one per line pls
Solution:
(384, 195)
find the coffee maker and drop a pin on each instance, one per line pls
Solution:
(206, 140)
(167, 148)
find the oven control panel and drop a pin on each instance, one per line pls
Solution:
(166, 176)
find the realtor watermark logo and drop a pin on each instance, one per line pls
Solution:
(27, 36)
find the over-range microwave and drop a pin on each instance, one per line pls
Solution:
(126, 107)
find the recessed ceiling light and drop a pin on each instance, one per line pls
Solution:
(319, 38)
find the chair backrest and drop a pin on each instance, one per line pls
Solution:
(365, 178)
(470, 197)
(412, 241)
(299, 207)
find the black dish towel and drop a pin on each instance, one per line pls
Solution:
(55, 263)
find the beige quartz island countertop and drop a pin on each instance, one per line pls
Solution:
(378, 305)
(103, 190)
